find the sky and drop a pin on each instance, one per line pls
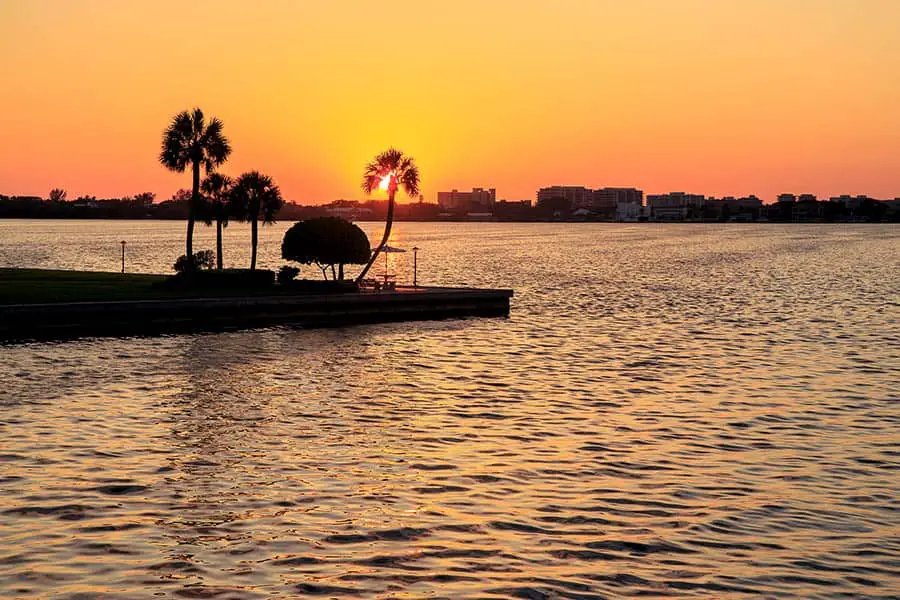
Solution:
(719, 97)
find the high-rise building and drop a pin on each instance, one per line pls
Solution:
(611, 197)
(577, 196)
(478, 199)
(675, 206)
(603, 200)
(729, 208)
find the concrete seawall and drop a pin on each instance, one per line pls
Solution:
(23, 322)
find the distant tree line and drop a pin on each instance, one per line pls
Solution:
(126, 207)
(56, 206)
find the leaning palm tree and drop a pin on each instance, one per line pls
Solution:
(255, 196)
(190, 140)
(216, 190)
(390, 170)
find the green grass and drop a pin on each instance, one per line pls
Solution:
(41, 286)
(37, 286)
(32, 286)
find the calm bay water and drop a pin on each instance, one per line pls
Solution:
(673, 411)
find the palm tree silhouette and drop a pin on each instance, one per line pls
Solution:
(389, 170)
(190, 140)
(216, 190)
(255, 196)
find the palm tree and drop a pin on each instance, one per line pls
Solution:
(216, 190)
(389, 170)
(255, 196)
(190, 140)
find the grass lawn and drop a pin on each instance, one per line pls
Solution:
(37, 286)
(41, 286)
(28, 286)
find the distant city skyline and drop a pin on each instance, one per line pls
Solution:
(576, 196)
(720, 98)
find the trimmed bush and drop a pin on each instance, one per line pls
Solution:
(327, 242)
(205, 259)
(287, 273)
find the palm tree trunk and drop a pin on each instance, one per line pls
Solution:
(341, 272)
(253, 241)
(219, 244)
(384, 239)
(192, 206)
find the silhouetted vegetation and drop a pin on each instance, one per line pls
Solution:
(217, 206)
(189, 141)
(390, 170)
(255, 197)
(139, 206)
(327, 242)
(199, 260)
(287, 273)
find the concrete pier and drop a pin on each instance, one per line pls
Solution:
(22, 322)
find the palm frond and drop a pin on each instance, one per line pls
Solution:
(390, 158)
(271, 203)
(370, 183)
(373, 174)
(216, 146)
(409, 179)
(255, 196)
(174, 154)
(391, 161)
(197, 121)
(216, 184)
(216, 189)
(237, 203)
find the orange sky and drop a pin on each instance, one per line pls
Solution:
(707, 96)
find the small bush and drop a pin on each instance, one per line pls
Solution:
(205, 259)
(287, 273)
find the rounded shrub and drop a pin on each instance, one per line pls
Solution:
(327, 242)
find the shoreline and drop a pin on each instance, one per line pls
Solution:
(139, 313)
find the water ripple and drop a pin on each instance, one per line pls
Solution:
(669, 411)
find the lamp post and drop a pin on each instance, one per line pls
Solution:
(415, 265)
(123, 256)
